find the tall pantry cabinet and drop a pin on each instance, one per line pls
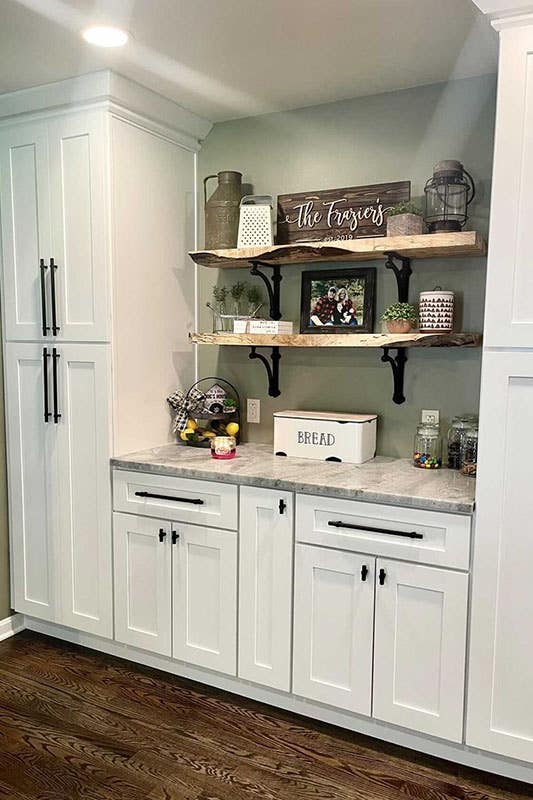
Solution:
(500, 699)
(97, 200)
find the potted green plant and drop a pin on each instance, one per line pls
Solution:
(400, 318)
(404, 219)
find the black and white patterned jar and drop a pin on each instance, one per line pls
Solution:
(435, 312)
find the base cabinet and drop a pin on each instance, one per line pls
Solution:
(333, 627)
(419, 648)
(204, 597)
(143, 564)
(265, 586)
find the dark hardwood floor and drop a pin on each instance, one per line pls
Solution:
(76, 724)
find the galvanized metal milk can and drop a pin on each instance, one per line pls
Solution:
(222, 211)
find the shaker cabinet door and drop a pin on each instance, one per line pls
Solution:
(25, 218)
(500, 697)
(265, 586)
(32, 483)
(419, 648)
(333, 627)
(80, 234)
(142, 570)
(83, 375)
(204, 597)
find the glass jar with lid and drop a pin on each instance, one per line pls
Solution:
(469, 452)
(427, 447)
(456, 435)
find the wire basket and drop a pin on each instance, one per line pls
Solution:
(233, 414)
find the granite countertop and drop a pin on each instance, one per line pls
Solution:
(394, 481)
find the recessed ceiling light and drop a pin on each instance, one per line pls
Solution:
(105, 36)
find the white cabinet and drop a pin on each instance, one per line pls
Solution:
(500, 699)
(32, 472)
(26, 232)
(204, 597)
(333, 627)
(83, 373)
(509, 298)
(143, 563)
(59, 487)
(419, 648)
(53, 204)
(265, 586)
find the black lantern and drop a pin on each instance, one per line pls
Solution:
(448, 194)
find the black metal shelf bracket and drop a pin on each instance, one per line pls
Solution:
(402, 273)
(397, 363)
(272, 370)
(272, 285)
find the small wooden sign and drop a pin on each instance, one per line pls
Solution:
(333, 214)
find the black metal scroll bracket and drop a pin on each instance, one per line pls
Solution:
(271, 370)
(272, 285)
(397, 363)
(402, 273)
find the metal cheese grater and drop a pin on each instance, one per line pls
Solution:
(255, 221)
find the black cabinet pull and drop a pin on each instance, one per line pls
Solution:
(282, 506)
(43, 269)
(55, 326)
(55, 359)
(46, 356)
(405, 534)
(162, 534)
(195, 501)
(364, 572)
(175, 537)
(382, 576)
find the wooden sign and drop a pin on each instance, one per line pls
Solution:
(333, 214)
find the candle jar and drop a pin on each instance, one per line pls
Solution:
(223, 447)
(427, 447)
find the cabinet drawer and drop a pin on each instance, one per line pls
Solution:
(427, 537)
(180, 499)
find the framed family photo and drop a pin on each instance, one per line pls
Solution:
(338, 301)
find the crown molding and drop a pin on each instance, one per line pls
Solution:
(106, 88)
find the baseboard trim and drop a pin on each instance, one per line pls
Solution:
(11, 625)
(458, 753)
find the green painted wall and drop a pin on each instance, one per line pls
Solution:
(4, 555)
(387, 137)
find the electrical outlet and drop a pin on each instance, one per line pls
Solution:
(253, 410)
(430, 416)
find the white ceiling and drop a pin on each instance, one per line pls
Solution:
(230, 58)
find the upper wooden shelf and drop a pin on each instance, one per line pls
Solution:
(340, 340)
(432, 245)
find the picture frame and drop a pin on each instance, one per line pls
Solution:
(338, 301)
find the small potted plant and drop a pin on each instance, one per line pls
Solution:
(404, 219)
(400, 318)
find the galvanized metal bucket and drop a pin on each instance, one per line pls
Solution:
(222, 211)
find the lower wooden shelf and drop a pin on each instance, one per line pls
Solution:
(342, 340)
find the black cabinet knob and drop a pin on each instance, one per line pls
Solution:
(162, 534)
(364, 572)
(382, 576)
(175, 537)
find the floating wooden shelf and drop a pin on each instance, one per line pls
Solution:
(434, 245)
(342, 340)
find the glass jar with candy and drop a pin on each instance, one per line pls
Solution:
(427, 447)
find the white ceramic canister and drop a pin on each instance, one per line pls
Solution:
(435, 313)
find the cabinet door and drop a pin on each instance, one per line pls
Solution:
(31, 462)
(509, 297)
(142, 568)
(25, 213)
(204, 597)
(500, 698)
(333, 627)
(84, 489)
(419, 649)
(79, 220)
(265, 586)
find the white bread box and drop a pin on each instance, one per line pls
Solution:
(325, 436)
